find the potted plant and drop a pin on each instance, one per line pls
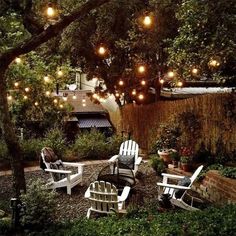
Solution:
(157, 164)
(174, 155)
(186, 158)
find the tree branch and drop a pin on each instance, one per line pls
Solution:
(50, 32)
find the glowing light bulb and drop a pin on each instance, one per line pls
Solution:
(36, 104)
(65, 99)
(170, 74)
(143, 82)
(50, 10)
(74, 96)
(16, 84)
(102, 100)
(27, 89)
(47, 93)
(46, 79)
(121, 82)
(134, 92)
(147, 21)
(194, 71)
(18, 60)
(162, 81)
(60, 73)
(25, 97)
(9, 97)
(84, 105)
(214, 63)
(83, 100)
(61, 106)
(180, 84)
(140, 96)
(117, 94)
(95, 96)
(141, 69)
(102, 50)
(55, 101)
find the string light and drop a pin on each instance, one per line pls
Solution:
(36, 104)
(102, 50)
(61, 106)
(117, 94)
(25, 97)
(18, 60)
(134, 92)
(180, 84)
(161, 81)
(140, 96)
(143, 82)
(141, 69)
(46, 79)
(64, 98)
(74, 96)
(95, 96)
(60, 73)
(195, 71)
(121, 82)
(84, 105)
(55, 101)
(47, 93)
(16, 84)
(147, 21)
(50, 10)
(214, 63)
(170, 74)
(83, 100)
(102, 100)
(27, 89)
(9, 97)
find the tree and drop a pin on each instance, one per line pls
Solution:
(206, 41)
(39, 35)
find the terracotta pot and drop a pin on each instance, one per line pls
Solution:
(186, 167)
(165, 156)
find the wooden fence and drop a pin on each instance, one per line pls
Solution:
(217, 114)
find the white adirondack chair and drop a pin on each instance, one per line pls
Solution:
(103, 197)
(166, 188)
(128, 148)
(70, 180)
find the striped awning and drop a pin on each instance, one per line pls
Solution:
(94, 122)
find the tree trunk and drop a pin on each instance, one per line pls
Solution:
(11, 139)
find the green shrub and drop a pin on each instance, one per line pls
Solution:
(5, 226)
(91, 145)
(54, 139)
(229, 172)
(157, 164)
(3, 150)
(113, 144)
(40, 206)
(31, 149)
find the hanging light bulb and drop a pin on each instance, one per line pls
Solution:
(83, 100)
(134, 92)
(46, 79)
(61, 106)
(140, 96)
(27, 89)
(50, 10)
(25, 97)
(55, 101)
(195, 71)
(170, 74)
(102, 50)
(47, 93)
(9, 98)
(16, 84)
(84, 105)
(141, 69)
(147, 21)
(180, 84)
(74, 96)
(60, 73)
(36, 104)
(143, 82)
(102, 100)
(121, 82)
(214, 63)
(162, 81)
(117, 94)
(95, 96)
(65, 99)
(18, 60)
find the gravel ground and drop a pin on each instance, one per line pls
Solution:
(74, 206)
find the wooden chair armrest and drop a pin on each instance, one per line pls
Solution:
(87, 193)
(138, 161)
(170, 176)
(125, 194)
(113, 158)
(173, 186)
(74, 164)
(59, 171)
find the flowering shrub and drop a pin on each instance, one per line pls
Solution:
(186, 154)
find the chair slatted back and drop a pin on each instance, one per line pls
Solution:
(103, 196)
(195, 174)
(129, 147)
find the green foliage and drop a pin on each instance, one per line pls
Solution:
(113, 144)
(3, 150)
(211, 221)
(31, 149)
(54, 139)
(91, 145)
(40, 206)
(157, 164)
(174, 155)
(5, 226)
(229, 172)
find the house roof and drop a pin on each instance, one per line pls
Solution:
(82, 103)
(93, 122)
